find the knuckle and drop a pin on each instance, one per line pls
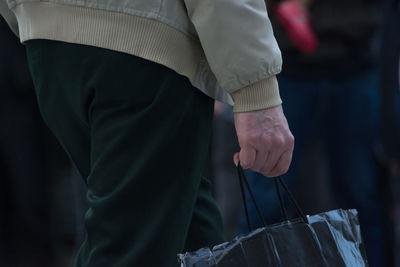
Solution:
(290, 139)
(253, 137)
(250, 138)
(266, 172)
(279, 171)
(266, 139)
(256, 169)
(285, 169)
(280, 141)
(276, 173)
(243, 163)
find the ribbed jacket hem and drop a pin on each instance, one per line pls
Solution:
(134, 35)
(142, 37)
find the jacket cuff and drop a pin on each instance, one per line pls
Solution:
(260, 95)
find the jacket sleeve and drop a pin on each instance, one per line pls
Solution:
(9, 16)
(238, 41)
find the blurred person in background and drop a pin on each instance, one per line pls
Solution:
(390, 117)
(390, 79)
(330, 90)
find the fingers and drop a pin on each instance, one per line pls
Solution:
(278, 145)
(270, 163)
(282, 165)
(274, 162)
(274, 165)
(247, 157)
(261, 159)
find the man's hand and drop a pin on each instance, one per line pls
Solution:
(266, 143)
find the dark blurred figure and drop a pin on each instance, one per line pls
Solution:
(25, 234)
(390, 114)
(331, 94)
(389, 72)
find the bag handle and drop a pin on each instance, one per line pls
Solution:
(242, 178)
(243, 182)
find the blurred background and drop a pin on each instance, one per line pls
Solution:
(341, 96)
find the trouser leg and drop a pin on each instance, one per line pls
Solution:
(139, 133)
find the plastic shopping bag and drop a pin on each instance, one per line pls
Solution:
(330, 238)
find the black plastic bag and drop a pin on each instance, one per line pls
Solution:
(327, 239)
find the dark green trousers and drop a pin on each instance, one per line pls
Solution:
(138, 133)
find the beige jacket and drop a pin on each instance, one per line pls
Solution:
(225, 47)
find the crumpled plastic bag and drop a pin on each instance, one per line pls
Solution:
(331, 238)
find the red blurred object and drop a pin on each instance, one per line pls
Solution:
(295, 19)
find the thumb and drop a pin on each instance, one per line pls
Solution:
(236, 158)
